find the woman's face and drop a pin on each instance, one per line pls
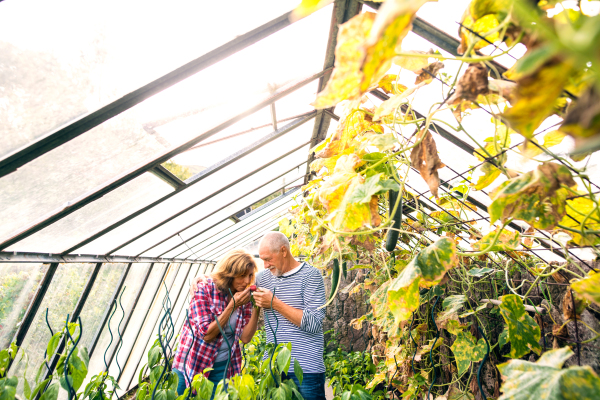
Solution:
(240, 283)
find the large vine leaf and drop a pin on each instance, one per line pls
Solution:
(451, 305)
(544, 379)
(581, 208)
(589, 287)
(507, 240)
(523, 332)
(425, 270)
(535, 96)
(466, 349)
(372, 186)
(583, 122)
(425, 159)
(535, 197)
(346, 77)
(390, 106)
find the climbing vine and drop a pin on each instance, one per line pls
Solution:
(453, 279)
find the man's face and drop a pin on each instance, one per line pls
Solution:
(273, 261)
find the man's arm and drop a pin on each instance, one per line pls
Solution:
(263, 297)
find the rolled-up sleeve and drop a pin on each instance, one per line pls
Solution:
(313, 295)
(201, 311)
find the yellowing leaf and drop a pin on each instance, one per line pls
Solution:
(425, 270)
(553, 138)
(535, 96)
(387, 84)
(523, 331)
(425, 159)
(466, 349)
(578, 209)
(307, 7)
(506, 241)
(414, 64)
(490, 173)
(589, 287)
(346, 77)
(379, 55)
(545, 379)
(383, 141)
(391, 105)
(534, 197)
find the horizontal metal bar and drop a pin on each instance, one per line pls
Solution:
(223, 207)
(206, 199)
(239, 222)
(70, 131)
(197, 178)
(25, 257)
(123, 179)
(167, 176)
(242, 244)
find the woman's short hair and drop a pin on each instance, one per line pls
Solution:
(235, 263)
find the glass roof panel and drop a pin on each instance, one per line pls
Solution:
(128, 141)
(206, 187)
(186, 223)
(111, 54)
(218, 253)
(221, 230)
(96, 216)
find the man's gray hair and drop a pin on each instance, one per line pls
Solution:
(274, 241)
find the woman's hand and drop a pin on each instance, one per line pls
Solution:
(241, 298)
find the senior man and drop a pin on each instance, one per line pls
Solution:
(296, 291)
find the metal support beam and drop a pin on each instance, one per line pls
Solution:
(23, 257)
(92, 345)
(216, 233)
(200, 176)
(20, 157)
(73, 318)
(124, 178)
(274, 116)
(139, 331)
(34, 306)
(166, 175)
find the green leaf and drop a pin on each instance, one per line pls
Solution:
(467, 349)
(52, 392)
(523, 331)
(503, 338)
(8, 388)
(589, 287)
(298, 371)
(425, 270)
(533, 60)
(53, 343)
(278, 394)
(507, 240)
(452, 304)
(372, 186)
(544, 379)
(26, 388)
(479, 271)
(533, 197)
(153, 356)
(283, 359)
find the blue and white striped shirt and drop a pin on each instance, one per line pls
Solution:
(303, 289)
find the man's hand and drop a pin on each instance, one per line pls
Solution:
(241, 298)
(196, 282)
(262, 298)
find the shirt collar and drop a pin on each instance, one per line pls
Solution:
(293, 271)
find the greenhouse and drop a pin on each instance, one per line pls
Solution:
(436, 164)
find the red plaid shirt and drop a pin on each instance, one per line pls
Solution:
(207, 303)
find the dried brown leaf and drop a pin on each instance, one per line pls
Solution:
(427, 74)
(425, 159)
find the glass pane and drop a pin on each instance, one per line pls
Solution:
(18, 284)
(111, 54)
(226, 228)
(204, 212)
(126, 141)
(245, 229)
(151, 325)
(242, 242)
(179, 309)
(94, 217)
(105, 346)
(62, 296)
(198, 191)
(137, 336)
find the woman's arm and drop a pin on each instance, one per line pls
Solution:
(213, 331)
(250, 329)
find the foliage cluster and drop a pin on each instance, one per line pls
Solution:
(437, 262)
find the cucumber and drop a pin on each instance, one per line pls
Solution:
(335, 278)
(392, 235)
(344, 270)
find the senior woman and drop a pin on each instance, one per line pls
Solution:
(232, 276)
